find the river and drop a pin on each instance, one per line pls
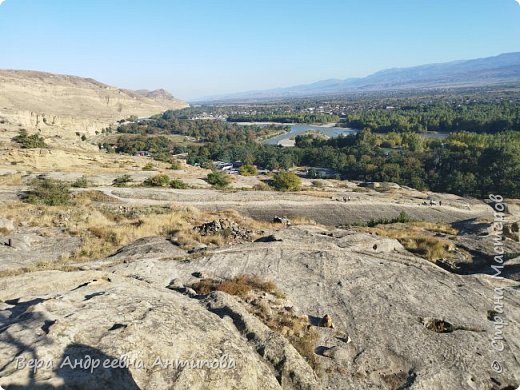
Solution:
(287, 139)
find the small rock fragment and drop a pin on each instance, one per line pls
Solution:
(326, 322)
(438, 326)
(175, 284)
(118, 326)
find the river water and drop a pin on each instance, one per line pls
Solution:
(300, 128)
(287, 139)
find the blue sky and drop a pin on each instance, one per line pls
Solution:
(198, 48)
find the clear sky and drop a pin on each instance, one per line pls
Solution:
(196, 48)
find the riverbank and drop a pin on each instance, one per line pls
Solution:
(330, 130)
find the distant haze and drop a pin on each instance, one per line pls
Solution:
(502, 69)
(203, 48)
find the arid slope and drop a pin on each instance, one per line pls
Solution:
(37, 100)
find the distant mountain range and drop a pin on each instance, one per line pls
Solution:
(502, 69)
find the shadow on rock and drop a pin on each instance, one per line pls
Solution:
(87, 376)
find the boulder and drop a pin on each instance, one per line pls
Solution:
(224, 227)
(283, 220)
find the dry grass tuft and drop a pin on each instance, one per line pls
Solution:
(11, 180)
(240, 286)
(305, 344)
(417, 240)
(429, 247)
(295, 328)
(45, 265)
(87, 197)
(420, 237)
(322, 193)
(435, 227)
(302, 220)
(104, 228)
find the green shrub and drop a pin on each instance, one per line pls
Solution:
(163, 156)
(286, 181)
(178, 184)
(219, 179)
(261, 187)
(27, 141)
(122, 181)
(81, 182)
(148, 167)
(207, 165)
(176, 165)
(248, 170)
(402, 218)
(161, 180)
(49, 192)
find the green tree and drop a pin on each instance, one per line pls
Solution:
(219, 179)
(248, 170)
(160, 180)
(286, 181)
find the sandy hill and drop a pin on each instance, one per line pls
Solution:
(41, 100)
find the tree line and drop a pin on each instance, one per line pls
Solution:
(464, 163)
(296, 117)
(442, 117)
(200, 130)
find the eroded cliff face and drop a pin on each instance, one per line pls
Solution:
(37, 100)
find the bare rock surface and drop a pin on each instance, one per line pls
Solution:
(265, 205)
(6, 226)
(292, 371)
(160, 334)
(478, 239)
(148, 247)
(512, 231)
(28, 246)
(399, 321)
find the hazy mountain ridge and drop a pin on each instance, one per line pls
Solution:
(156, 94)
(501, 69)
